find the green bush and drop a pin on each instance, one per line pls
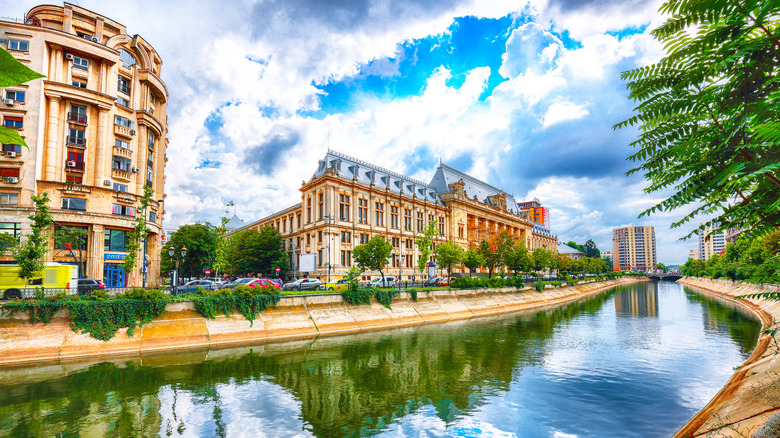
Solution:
(358, 296)
(248, 301)
(539, 286)
(413, 293)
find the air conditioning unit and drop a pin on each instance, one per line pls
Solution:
(12, 179)
(8, 102)
(69, 56)
(132, 132)
(10, 154)
(94, 39)
(135, 169)
(71, 163)
(107, 183)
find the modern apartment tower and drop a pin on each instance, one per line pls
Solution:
(96, 130)
(710, 242)
(633, 248)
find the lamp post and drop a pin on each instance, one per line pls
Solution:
(401, 260)
(175, 276)
(328, 219)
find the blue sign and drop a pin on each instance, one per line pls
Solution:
(109, 256)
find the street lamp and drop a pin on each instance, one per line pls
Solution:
(175, 274)
(401, 260)
(329, 220)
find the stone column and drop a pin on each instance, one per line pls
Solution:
(100, 147)
(52, 143)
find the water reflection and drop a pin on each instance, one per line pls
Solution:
(562, 370)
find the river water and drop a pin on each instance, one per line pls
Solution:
(636, 361)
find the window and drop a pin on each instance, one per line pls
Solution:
(299, 221)
(127, 59)
(419, 221)
(77, 114)
(308, 211)
(362, 211)
(460, 231)
(124, 121)
(78, 160)
(79, 62)
(396, 242)
(344, 207)
(13, 228)
(120, 187)
(73, 179)
(122, 101)
(149, 177)
(74, 204)
(13, 122)
(9, 198)
(123, 84)
(319, 237)
(86, 36)
(321, 205)
(319, 257)
(121, 163)
(17, 96)
(150, 141)
(308, 239)
(346, 237)
(346, 258)
(19, 45)
(12, 148)
(115, 240)
(441, 226)
(379, 214)
(123, 210)
(9, 172)
(363, 238)
(76, 137)
(394, 216)
(408, 219)
(152, 216)
(78, 83)
(121, 144)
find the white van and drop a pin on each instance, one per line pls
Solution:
(387, 281)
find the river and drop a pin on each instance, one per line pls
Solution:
(635, 361)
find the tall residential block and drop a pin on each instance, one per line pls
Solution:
(710, 242)
(96, 129)
(348, 201)
(633, 248)
(536, 212)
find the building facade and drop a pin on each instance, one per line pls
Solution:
(348, 201)
(96, 130)
(693, 254)
(536, 212)
(710, 242)
(633, 249)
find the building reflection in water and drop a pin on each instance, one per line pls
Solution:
(638, 302)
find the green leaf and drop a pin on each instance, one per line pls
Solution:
(13, 72)
(10, 136)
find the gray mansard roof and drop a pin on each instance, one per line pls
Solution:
(352, 168)
(446, 175)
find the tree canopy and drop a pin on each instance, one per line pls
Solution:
(448, 254)
(373, 255)
(708, 113)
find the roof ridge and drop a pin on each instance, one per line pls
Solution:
(475, 179)
(381, 169)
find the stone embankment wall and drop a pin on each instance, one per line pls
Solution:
(752, 395)
(180, 327)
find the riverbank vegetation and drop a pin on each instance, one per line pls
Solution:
(752, 259)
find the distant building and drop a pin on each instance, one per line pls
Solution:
(568, 251)
(234, 223)
(710, 242)
(536, 212)
(633, 248)
(732, 234)
(606, 254)
(693, 254)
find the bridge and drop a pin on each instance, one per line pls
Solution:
(667, 277)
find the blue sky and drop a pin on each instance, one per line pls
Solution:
(522, 95)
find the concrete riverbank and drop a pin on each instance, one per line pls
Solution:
(180, 327)
(752, 395)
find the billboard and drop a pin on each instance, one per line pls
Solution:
(307, 262)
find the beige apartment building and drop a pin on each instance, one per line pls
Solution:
(633, 249)
(348, 201)
(96, 130)
(710, 242)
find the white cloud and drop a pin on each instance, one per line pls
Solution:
(563, 111)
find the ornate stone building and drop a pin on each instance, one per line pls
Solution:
(96, 129)
(348, 201)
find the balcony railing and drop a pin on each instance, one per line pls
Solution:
(79, 142)
(121, 175)
(74, 117)
(124, 131)
(123, 152)
(123, 88)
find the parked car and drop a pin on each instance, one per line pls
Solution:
(87, 285)
(387, 281)
(303, 284)
(262, 282)
(277, 281)
(342, 284)
(195, 285)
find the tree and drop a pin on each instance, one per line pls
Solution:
(562, 262)
(494, 251)
(472, 259)
(13, 72)
(448, 254)
(200, 241)
(662, 267)
(518, 259)
(137, 236)
(576, 245)
(373, 255)
(424, 242)
(709, 113)
(542, 258)
(258, 252)
(73, 239)
(590, 249)
(30, 253)
(221, 260)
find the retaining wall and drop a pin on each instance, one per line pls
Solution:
(752, 395)
(180, 327)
